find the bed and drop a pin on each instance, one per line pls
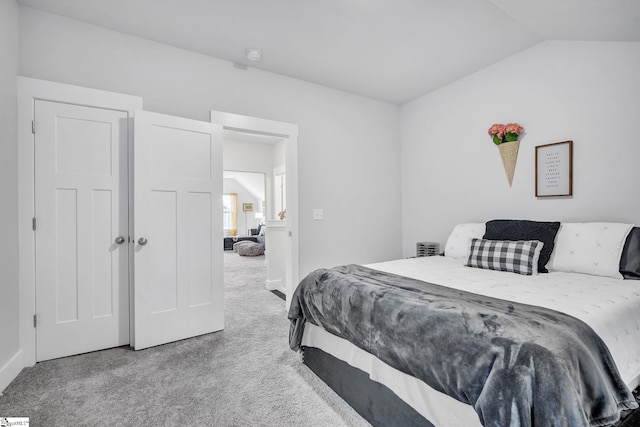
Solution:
(420, 383)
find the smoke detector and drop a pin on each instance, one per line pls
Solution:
(254, 55)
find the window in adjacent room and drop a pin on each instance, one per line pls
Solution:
(230, 214)
(280, 192)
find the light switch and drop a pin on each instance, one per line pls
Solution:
(318, 214)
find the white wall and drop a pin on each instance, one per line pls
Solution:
(278, 182)
(348, 145)
(245, 220)
(279, 154)
(250, 157)
(245, 156)
(588, 92)
(9, 295)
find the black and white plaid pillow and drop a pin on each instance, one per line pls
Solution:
(516, 256)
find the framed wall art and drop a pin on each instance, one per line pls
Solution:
(247, 207)
(554, 169)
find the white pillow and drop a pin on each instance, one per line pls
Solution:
(459, 241)
(590, 248)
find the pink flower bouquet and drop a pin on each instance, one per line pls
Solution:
(505, 133)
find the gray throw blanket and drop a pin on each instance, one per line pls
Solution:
(516, 364)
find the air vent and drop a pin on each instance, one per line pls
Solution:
(427, 248)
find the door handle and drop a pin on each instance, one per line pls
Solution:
(142, 241)
(120, 240)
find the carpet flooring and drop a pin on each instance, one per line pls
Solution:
(242, 376)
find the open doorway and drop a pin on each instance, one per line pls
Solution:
(248, 160)
(254, 205)
(243, 203)
(253, 144)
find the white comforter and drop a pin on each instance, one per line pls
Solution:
(610, 306)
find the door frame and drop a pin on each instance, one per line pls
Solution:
(30, 90)
(288, 131)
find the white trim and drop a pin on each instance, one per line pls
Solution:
(10, 370)
(28, 91)
(274, 285)
(289, 131)
(254, 124)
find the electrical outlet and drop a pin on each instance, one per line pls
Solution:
(318, 214)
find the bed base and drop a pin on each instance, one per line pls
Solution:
(372, 400)
(379, 405)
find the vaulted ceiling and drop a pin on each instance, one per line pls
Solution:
(391, 50)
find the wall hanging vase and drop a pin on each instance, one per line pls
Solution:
(506, 138)
(509, 154)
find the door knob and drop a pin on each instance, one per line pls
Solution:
(142, 241)
(120, 240)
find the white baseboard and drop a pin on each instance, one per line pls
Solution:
(10, 370)
(274, 285)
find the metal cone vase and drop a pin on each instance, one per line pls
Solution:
(509, 153)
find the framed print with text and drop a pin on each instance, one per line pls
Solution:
(554, 169)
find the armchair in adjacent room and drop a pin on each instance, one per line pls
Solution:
(258, 233)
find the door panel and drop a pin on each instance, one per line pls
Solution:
(78, 155)
(82, 301)
(102, 206)
(163, 228)
(65, 284)
(199, 245)
(178, 210)
(180, 153)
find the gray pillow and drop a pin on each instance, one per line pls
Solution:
(630, 259)
(511, 229)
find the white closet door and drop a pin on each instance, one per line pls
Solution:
(178, 229)
(82, 300)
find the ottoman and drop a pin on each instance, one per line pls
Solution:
(249, 248)
(237, 244)
(231, 240)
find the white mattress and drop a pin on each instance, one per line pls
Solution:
(610, 306)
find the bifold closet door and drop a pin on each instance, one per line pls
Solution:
(81, 226)
(177, 213)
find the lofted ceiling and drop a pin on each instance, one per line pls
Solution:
(391, 50)
(253, 182)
